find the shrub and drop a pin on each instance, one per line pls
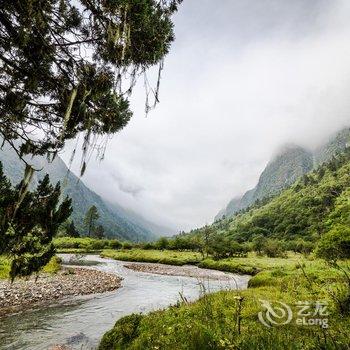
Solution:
(114, 244)
(86, 243)
(124, 331)
(335, 244)
(299, 246)
(127, 245)
(148, 246)
(273, 249)
(162, 243)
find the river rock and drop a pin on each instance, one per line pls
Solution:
(25, 293)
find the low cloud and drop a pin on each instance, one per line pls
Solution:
(242, 79)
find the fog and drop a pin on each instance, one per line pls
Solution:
(242, 79)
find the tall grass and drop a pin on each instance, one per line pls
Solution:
(53, 266)
(5, 266)
(228, 319)
(84, 244)
(170, 257)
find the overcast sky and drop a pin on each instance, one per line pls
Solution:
(243, 78)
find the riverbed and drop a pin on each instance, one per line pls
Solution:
(79, 322)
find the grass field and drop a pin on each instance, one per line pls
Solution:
(84, 244)
(170, 257)
(212, 322)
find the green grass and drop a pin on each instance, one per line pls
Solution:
(170, 257)
(5, 266)
(211, 322)
(52, 267)
(84, 244)
(252, 264)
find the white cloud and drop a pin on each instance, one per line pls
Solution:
(233, 90)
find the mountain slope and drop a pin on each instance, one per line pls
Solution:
(336, 144)
(114, 218)
(313, 205)
(291, 163)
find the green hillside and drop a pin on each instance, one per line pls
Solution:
(284, 169)
(310, 207)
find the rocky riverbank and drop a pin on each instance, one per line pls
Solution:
(185, 270)
(31, 292)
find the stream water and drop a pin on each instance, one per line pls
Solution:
(81, 321)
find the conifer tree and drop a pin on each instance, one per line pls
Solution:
(71, 230)
(69, 66)
(28, 222)
(90, 219)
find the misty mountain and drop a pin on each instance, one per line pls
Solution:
(117, 221)
(284, 169)
(336, 144)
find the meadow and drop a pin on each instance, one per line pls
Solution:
(84, 244)
(170, 257)
(229, 319)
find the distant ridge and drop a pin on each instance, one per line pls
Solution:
(118, 222)
(285, 168)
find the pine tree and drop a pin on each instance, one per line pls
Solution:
(99, 232)
(28, 222)
(50, 83)
(71, 230)
(90, 219)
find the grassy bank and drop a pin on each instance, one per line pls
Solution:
(212, 322)
(252, 264)
(53, 266)
(170, 257)
(84, 244)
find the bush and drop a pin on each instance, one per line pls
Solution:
(124, 331)
(335, 244)
(87, 244)
(273, 249)
(299, 246)
(127, 245)
(222, 247)
(162, 243)
(114, 244)
(258, 244)
(148, 246)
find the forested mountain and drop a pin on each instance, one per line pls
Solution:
(291, 163)
(283, 170)
(335, 145)
(316, 203)
(117, 221)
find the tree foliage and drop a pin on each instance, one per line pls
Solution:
(90, 220)
(335, 244)
(28, 222)
(68, 66)
(71, 230)
(99, 232)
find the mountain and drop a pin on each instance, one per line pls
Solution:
(335, 144)
(158, 230)
(117, 221)
(284, 169)
(314, 204)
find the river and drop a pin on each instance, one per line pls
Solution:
(80, 322)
